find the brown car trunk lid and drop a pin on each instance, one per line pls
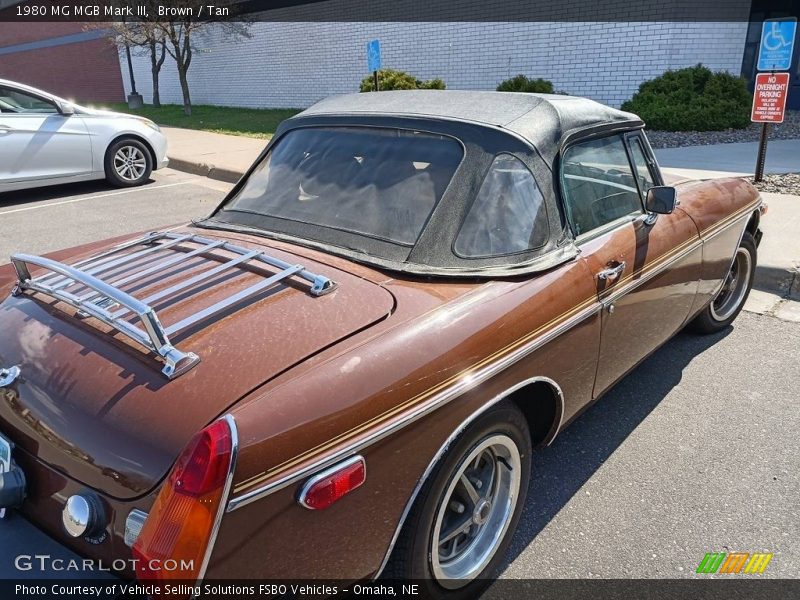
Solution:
(94, 405)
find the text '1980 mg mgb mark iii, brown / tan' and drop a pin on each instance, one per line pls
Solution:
(342, 371)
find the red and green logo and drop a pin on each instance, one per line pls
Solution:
(734, 562)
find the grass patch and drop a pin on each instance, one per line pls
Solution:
(250, 122)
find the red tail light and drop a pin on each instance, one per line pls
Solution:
(329, 486)
(176, 539)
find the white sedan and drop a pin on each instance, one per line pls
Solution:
(46, 140)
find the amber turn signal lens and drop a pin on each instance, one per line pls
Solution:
(331, 485)
(175, 538)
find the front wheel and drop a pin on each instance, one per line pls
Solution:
(128, 163)
(462, 522)
(729, 301)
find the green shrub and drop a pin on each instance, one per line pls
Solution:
(692, 99)
(521, 83)
(389, 79)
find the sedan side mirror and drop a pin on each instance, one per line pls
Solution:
(661, 200)
(64, 109)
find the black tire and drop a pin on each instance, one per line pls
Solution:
(412, 558)
(717, 315)
(135, 155)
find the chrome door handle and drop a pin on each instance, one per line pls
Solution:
(611, 272)
(6, 129)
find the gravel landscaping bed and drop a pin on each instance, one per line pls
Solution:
(785, 183)
(788, 130)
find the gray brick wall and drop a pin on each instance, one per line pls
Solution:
(296, 64)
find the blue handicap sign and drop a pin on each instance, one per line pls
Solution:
(374, 55)
(777, 39)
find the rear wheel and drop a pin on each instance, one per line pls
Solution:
(462, 522)
(729, 301)
(128, 163)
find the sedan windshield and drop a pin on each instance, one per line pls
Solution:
(376, 182)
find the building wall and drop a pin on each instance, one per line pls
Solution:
(296, 64)
(62, 58)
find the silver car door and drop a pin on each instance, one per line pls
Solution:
(38, 142)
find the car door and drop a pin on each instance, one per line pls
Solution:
(646, 267)
(37, 142)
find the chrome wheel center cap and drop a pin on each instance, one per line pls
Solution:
(483, 509)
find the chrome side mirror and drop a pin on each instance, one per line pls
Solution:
(661, 200)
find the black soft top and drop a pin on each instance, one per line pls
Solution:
(531, 127)
(543, 120)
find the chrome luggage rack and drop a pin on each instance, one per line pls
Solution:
(104, 300)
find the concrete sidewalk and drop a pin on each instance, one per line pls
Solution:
(726, 160)
(214, 155)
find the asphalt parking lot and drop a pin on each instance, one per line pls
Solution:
(50, 218)
(696, 451)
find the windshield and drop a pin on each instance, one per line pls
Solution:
(377, 182)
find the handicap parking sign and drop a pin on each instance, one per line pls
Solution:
(777, 39)
(374, 56)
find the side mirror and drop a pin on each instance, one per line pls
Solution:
(661, 200)
(64, 109)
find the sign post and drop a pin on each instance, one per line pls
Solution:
(769, 106)
(374, 59)
(771, 89)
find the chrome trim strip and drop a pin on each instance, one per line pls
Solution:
(301, 497)
(458, 431)
(225, 493)
(466, 382)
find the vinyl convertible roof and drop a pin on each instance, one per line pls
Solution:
(360, 148)
(543, 120)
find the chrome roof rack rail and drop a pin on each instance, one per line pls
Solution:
(150, 333)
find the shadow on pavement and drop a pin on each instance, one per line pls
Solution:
(59, 192)
(560, 470)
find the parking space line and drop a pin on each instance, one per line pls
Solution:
(74, 200)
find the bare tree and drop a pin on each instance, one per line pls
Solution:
(181, 35)
(139, 37)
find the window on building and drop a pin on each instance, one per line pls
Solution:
(598, 183)
(508, 215)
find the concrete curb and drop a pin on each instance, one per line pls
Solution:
(204, 170)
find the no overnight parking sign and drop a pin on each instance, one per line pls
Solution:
(769, 97)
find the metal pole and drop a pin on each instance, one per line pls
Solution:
(375, 75)
(762, 153)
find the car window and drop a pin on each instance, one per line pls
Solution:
(639, 157)
(508, 214)
(381, 183)
(15, 101)
(598, 184)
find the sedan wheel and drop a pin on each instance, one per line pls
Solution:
(128, 163)
(730, 299)
(461, 524)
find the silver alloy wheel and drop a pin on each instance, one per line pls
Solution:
(734, 288)
(130, 163)
(475, 511)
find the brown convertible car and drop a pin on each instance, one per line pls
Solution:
(342, 371)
